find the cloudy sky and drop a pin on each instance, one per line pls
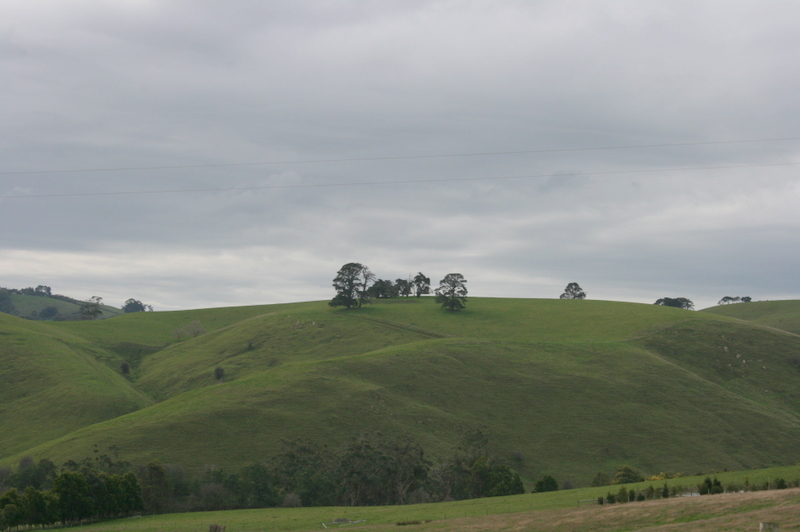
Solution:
(215, 153)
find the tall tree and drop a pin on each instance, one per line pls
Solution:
(351, 283)
(403, 287)
(452, 292)
(422, 284)
(573, 291)
(90, 309)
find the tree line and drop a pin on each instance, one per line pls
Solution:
(367, 470)
(41, 495)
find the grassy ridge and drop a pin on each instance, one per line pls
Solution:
(570, 387)
(779, 314)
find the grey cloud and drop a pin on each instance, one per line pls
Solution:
(98, 85)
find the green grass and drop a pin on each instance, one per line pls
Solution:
(779, 314)
(54, 384)
(570, 387)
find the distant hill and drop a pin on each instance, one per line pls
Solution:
(40, 304)
(566, 387)
(779, 314)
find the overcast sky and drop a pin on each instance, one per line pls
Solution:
(213, 153)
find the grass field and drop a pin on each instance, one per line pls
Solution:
(563, 387)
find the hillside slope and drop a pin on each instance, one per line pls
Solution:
(565, 387)
(779, 314)
(53, 384)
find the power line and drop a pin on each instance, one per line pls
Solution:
(396, 158)
(397, 182)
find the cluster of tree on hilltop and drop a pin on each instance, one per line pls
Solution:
(356, 285)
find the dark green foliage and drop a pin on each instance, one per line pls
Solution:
(452, 292)
(678, 302)
(546, 483)
(422, 284)
(156, 489)
(258, 487)
(75, 501)
(48, 313)
(37, 475)
(626, 475)
(780, 484)
(219, 373)
(134, 305)
(503, 481)
(404, 287)
(710, 487)
(573, 291)
(305, 468)
(351, 284)
(5, 302)
(382, 289)
(600, 479)
(728, 300)
(90, 309)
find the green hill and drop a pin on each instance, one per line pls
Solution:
(779, 314)
(46, 307)
(561, 386)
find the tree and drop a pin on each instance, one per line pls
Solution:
(422, 284)
(382, 288)
(728, 300)
(351, 284)
(547, 483)
(678, 302)
(134, 305)
(75, 500)
(452, 292)
(5, 302)
(573, 291)
(219, 373)
(43, 290)
(627, 475)
(403, 287)
(90, 309)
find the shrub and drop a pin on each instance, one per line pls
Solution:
(627, 475)
(292, 500)
(547, 483)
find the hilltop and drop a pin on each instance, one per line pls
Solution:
(41, 304)
(566, 387)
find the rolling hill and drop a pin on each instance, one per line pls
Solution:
(560, 386)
